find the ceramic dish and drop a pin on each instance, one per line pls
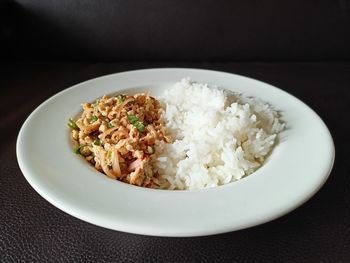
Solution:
(296, 169)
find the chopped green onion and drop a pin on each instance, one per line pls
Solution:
(139, 125)
(77, 149)
(132, 118)
(72, 124)
(97, 142)
(110, 125)
(96, 103)
(135, 121)
(121, 98)
(94, 118)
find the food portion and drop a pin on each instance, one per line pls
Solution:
(194, 136)
(117, 135)
(218, 136)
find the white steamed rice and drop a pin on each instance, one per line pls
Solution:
(218, 137)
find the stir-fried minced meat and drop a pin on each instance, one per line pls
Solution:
(117, 135)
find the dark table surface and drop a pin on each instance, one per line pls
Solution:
(31, 229)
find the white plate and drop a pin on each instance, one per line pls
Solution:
(297, 168)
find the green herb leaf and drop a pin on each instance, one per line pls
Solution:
(109, 155)
(97, 142)
(77, 149)
(139, 125)
(72, 124)
(135, 121)
(110, 125)
(94, 118)
(121, 98)
(96, 103)
(132, 118)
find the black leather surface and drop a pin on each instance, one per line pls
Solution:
(177, 30)
(32, 230)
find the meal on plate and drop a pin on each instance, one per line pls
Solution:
(194, 136)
